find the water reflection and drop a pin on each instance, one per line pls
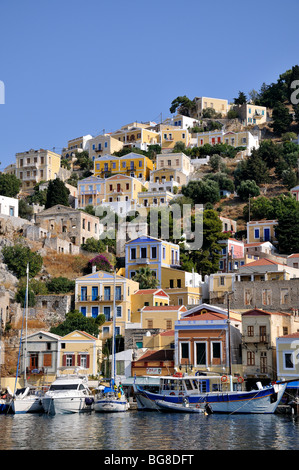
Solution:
(139, 430)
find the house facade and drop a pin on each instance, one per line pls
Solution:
(96, 293)
(202, 340)
(35, 166)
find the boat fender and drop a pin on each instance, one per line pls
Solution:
(172, 393)
(89, 401)
(181, 393)
(224, 378)
(198, 405)
(240, 380)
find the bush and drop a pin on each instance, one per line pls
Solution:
(60, 285)
(248, 188)
(17, 257)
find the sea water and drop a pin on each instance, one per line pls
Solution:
(146, 430)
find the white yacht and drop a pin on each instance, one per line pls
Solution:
(27, 400)
(69, 393)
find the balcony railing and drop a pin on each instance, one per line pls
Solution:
(263, 338)
(99, 298)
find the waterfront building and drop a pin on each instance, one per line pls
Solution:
(133, 164)
(147, 298)
(162, 316)
(202, 340)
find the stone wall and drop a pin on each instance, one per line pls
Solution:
(51, 309)
(133, 336)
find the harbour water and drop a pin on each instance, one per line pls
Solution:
(141, 430)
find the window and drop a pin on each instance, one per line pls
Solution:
(83, 293)
(154, 252)
(168, 324)
(288, 362)
(250, 358)
(106, 292)
(94, 312)
(216, 350)
(117, 292)
(250, 330)
(133, 253)
(118, 311)
(143, 252)
(107, 313)
(150, 323)
(184, 350)
(256, 233)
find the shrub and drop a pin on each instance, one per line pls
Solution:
(60, 285)
(18, 256)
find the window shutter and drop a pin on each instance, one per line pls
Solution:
(87, 361)
(64, 360)
(73, 360)
(79, 360)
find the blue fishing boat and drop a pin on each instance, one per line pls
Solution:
(222, 393)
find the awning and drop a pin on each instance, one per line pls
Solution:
(294, 384)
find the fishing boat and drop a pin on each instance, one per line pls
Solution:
(220, 392)
(111, 398)
(69, 393)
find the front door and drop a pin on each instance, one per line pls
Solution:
(201, 356)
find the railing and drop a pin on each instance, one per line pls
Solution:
(263, 338)
(99, 298)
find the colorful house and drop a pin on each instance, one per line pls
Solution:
(203, 102)
(162, 316)
(157, 362)
(137, 135)
(122, 193)
(103, 144)
(132, 164)
(287, 361)
(79, 349)
(261, 231)
(202, 340)
(35, 166)
(171, 135)
(153, 253)
(91, 191)
(147, 298)
(95, 294)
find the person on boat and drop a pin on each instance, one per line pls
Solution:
(208, 409)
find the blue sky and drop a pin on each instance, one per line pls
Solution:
(72, 68)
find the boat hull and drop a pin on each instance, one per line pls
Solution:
(109, 405)
(27, 405)
(63, 405)
(256, 401)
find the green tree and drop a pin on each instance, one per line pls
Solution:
(289, 178)
(282, 119)
(18, 256)
(74, 320)
(60, 285)
(242, 99)
(25, 211)
(57, 193)
(202, 191)
(145, 278)
(247, 188)
(287, 231)
(183, 105)
(10, 185)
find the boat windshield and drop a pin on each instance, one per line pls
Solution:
(56, 387)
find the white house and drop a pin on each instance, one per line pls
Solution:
(9, 206)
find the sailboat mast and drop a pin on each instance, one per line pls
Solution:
(113, 331)
(26, 317)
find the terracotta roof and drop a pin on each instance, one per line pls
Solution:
(258, 311)
(152, 291)
(294, 255)
(158, 355)
(165, 307)
(262, 262)
(291, 335)
(208, 316)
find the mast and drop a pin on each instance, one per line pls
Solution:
(113, 331)
(26, 316)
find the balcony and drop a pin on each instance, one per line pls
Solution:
(256, 339)
(99, 298)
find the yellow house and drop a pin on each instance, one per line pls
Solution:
(251, 114)
(261, 231)
(35, 166)
(168, 177)
(163, 340)
(219, 285)
(78, 144)
(103, 144)
(147, 298)
(132, 164)
(183, 288)
(163, 317)
(122, 193)
(171, 135)
(203, 102)
(79, 349)
(151, 252)
(95, 294)
(234, 139)
(137, 135)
